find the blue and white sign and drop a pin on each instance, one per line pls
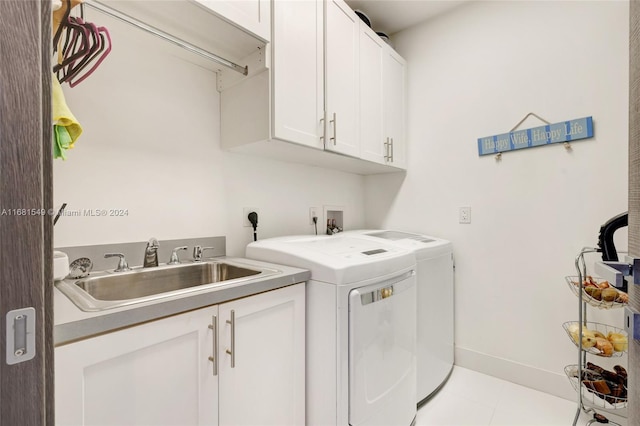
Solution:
(566, 131)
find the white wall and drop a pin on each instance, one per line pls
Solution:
(474, 72)
(151, 145)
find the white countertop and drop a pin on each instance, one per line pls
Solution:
(71, 323)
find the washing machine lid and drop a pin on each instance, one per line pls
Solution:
(338, 260)
(424, 246)
(398, 235)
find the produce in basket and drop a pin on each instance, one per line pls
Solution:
(608, 385)
(592, 338)
(609, 294)
(602, 291)
(619, 341)
(604, 346)
(588, 338)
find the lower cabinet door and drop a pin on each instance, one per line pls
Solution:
(262, 362)
(158, 373)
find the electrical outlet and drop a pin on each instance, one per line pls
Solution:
(465, 215)
(245, 214)
(313, 212)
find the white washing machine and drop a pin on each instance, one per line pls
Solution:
(435, 328)
(361, 327)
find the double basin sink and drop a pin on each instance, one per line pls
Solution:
(106, 290)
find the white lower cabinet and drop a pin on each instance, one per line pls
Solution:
(240, 362)
(262, 364)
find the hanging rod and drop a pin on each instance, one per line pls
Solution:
(167, 37)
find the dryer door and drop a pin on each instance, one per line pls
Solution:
(382, 352)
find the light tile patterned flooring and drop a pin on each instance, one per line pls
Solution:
(470, 398)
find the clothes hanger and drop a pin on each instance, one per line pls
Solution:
(85, 45)
(103, 54)
(95, 45)
(66, 11)
(101, 48)
(70, 51)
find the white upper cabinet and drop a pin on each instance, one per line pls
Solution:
(308, 83)
(341, 91)
(250, 15)
(227, 29)
(372, 141)
(394, 102)
(321, 86)
(298, 72)
(382, 101)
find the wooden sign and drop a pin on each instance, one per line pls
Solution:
(566, 131)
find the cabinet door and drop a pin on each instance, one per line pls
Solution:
(262, 363)
(372, 142)
(394, 106)
(298, 74)
(158, 373)
(251, 15)
(341, 69)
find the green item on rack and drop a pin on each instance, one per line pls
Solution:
(62, 141)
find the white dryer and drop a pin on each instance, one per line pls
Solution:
(361, 327)
(435, 327)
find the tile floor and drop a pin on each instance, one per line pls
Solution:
(470, 398)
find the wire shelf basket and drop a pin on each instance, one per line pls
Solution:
(593, 295)
(615, 342)
(592, 396)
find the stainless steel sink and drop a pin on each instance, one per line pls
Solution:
(107, 290)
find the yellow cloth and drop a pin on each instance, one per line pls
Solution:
(62, 116)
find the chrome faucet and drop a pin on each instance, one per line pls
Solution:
(151, 253)
(122, 263)
(174, 259)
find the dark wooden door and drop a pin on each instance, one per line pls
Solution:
(25, 200)
(634, 200)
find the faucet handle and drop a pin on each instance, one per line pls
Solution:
(122, 263)
(174, 260)
(198, 250)
(153, 242)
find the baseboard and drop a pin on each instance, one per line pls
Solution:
(550, 382)
(554, 383)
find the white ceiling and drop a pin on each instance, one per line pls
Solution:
(391, 16)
